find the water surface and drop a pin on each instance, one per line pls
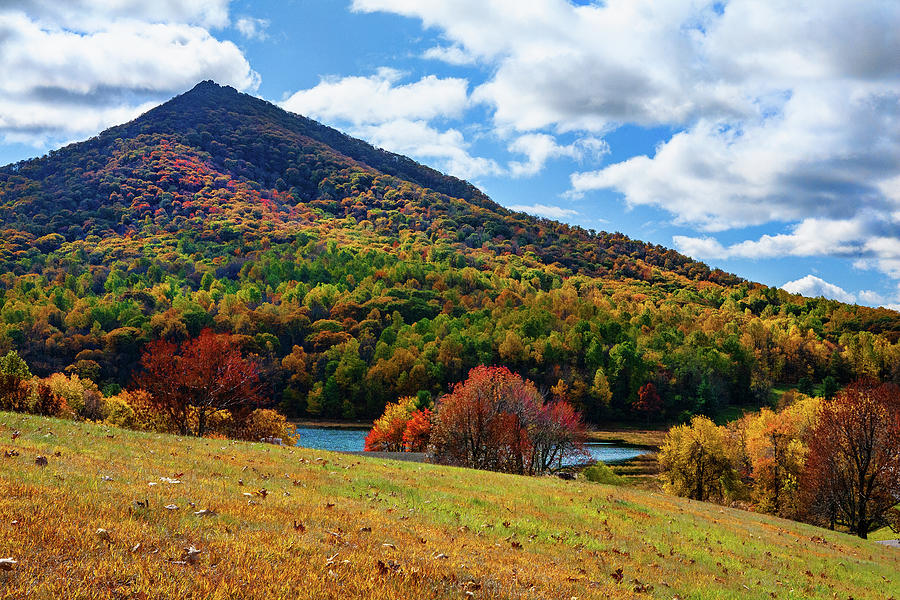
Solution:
(353, 440)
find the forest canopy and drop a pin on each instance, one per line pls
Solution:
(353, 277)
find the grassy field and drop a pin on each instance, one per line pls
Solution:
(120, 514)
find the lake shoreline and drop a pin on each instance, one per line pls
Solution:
(628, 437)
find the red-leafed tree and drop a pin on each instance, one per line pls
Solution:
(852, 473)
(648, 402)
(497, 420)
(202, 375)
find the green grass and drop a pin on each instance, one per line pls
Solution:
(374, 528)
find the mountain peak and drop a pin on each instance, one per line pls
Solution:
(209, 87)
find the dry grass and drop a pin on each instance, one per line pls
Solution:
(338, 526)
(648, 438)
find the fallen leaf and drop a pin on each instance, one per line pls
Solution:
(191, 555)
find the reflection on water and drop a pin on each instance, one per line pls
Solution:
(353, 440)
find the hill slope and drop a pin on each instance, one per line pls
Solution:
(338, 526)
(357, 275)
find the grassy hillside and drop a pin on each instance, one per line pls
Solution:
(336, 526)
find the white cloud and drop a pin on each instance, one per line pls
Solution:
(448, 149)
(380, 98)
(872, 298)
(813, 286)
(544, 210)
(105, 64)
(94, 15)
(783, 113)
(541, 147)
(252, 28)
(453, 55)
(398, 116)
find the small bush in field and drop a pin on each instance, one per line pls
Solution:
(265, 423)
(82, 395)
(48, 403)
(134, 410)
(601, 473)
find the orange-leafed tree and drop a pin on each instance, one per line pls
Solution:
(417, 431)
(852, 473)
(199, 377)
(386, 434)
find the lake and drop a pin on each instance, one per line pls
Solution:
(353, 440)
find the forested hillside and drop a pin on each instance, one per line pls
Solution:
(357, 276)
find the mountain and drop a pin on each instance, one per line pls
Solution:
(357, 275)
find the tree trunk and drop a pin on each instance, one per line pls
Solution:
(201, 422)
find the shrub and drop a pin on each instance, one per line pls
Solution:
(265, 423)
(134, 410)
(601, 473)
(82, 395)
(48, 403)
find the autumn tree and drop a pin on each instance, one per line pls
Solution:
(418, 431)
(201, 376)
(497, 420)
(387, 433)
(776, 449)
(695, 462)
(15, 377)
(648, 403)
(852, 474)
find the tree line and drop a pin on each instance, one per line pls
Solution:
(832, 462)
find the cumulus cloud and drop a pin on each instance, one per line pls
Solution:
(541, 147)
(252, 28)
(95, 15)
(448, 149)
(453, 55)
(380, 97)
(813, 286)
(782, 113)
(400, 117)
(544, 210)
(70, 69)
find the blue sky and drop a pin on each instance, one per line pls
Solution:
(760, 136)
